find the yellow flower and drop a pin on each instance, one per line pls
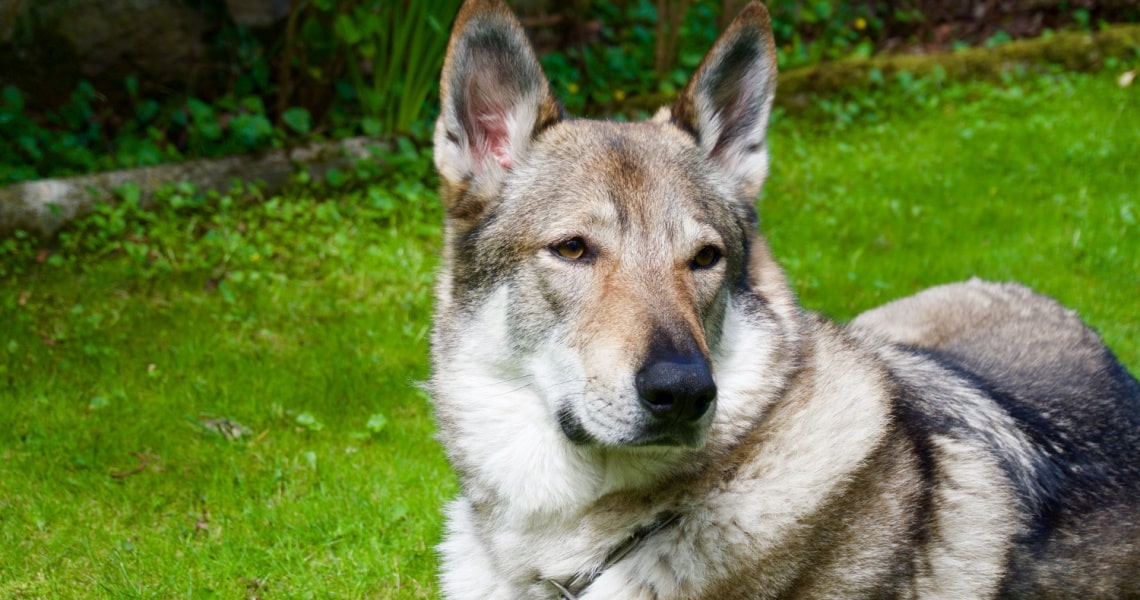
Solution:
(619, 95)
(572, 88)
(860, 23)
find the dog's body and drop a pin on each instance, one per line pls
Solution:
(638, 409)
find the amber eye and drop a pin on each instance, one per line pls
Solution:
(571, 249)
(706, 257)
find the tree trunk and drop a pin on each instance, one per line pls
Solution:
(670, 16)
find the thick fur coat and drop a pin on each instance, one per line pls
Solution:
(638, 409)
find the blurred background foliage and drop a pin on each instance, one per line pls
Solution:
(88, 85)
(220, 382)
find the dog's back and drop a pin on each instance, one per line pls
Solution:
(1071, 397)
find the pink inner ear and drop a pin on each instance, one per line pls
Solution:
(502, 153)
(493, 137)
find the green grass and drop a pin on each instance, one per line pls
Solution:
(305, 321)
(1034, 182)
(319, 325)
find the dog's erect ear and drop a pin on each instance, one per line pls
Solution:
(727, 102)
(494, 100)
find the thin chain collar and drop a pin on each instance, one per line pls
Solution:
(576, 585)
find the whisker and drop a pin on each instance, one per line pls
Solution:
(502, 381)
(526, 385)
(562, 383)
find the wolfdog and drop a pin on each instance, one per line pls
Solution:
(638, 409)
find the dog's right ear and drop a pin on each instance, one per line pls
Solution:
(493, 100)
(727, 102)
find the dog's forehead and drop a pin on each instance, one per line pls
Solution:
(641, 167)
(627, 154)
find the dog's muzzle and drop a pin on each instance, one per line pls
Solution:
(675, 394)
(676, 390)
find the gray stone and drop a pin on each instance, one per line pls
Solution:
(45, 44)
(257, 13)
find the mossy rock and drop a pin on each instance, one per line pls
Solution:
(43, 206)
(1074, 51)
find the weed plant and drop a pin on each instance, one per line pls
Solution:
(218, 398)
(395, 52)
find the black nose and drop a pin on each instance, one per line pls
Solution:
(676, 387)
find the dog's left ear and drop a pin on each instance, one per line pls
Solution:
(727, 102)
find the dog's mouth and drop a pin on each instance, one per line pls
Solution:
(573, 429)
(649, 434)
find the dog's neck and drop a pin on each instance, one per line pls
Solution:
(572, 588)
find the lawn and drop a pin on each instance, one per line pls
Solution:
(221, 400)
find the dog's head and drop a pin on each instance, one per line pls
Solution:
(595, 262)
